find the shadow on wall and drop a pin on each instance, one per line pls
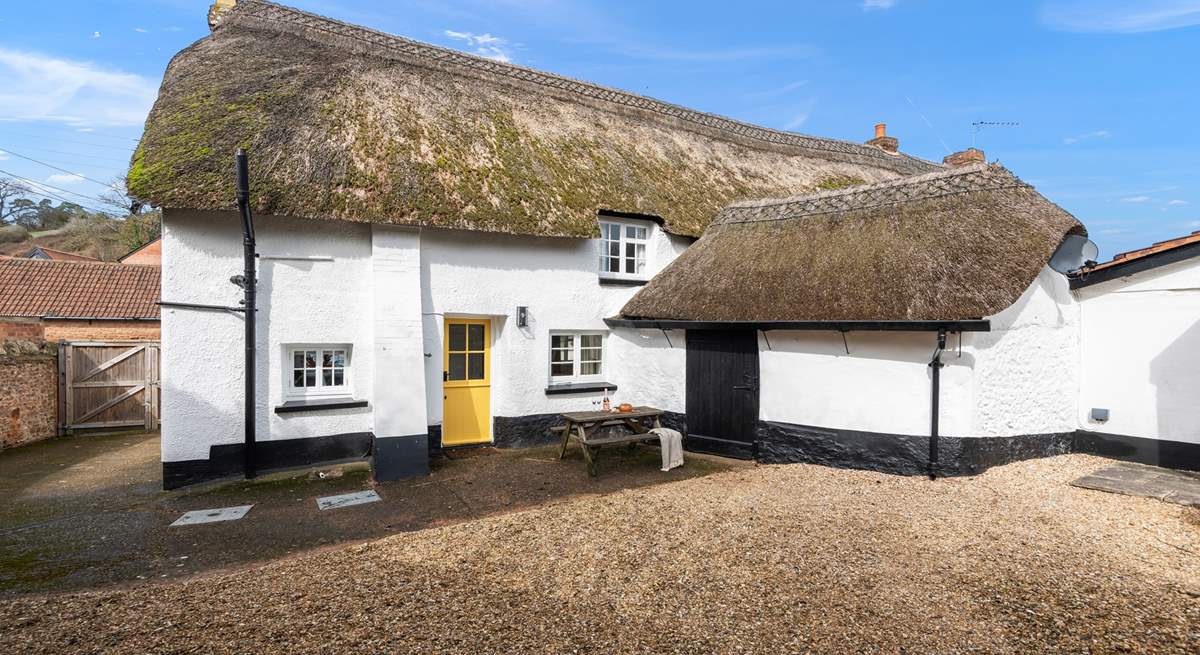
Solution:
(904, 347)
(1174, 373)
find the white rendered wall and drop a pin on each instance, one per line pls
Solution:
(326, 301)
(882, 385)
(486, 275)
(399, 361)
(384, 291)
(1020, 378)
(1026, 369)
(1140, 354)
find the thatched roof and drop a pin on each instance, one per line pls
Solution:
(959, 244)
(348, 123)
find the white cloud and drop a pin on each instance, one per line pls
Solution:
(484, 45)
(140, 30)
(868, 5)
(95, 35)
(1175, 203)
(64, 178)
(1120, 16)
(1098, 134)
(40, 87)
(1136, 199)
(796, 122)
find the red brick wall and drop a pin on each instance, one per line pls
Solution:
(149, 255)
(28, 397)
(21, 329)
(102, 330)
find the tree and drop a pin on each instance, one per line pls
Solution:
(11, 193)
(139, 229)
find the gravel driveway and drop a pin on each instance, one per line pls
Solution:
(769, 559)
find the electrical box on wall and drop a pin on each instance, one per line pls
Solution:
(1099, 414)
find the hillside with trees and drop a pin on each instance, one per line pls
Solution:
(29, 219)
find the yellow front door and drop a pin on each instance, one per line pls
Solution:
(466, 386)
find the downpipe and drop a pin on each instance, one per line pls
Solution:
(248, 280)
(935, 395)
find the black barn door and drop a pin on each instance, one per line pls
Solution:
(722, 391)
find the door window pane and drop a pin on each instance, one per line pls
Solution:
(458, 366)
(475, 366)
(458, 337)
(474, 337)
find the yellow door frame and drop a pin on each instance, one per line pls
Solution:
(466, 386)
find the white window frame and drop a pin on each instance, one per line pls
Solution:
(624, 239)
(321, 390)
(576, 357)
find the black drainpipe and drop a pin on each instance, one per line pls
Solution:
(247, 281)
(936, 364)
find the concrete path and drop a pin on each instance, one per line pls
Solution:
(1179, 487)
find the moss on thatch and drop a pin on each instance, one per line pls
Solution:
(346, 123)
(955, 245)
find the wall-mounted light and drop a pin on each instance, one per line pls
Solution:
(522, 316)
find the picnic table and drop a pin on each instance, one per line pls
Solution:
(582, 427)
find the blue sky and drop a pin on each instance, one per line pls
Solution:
(1106, 93)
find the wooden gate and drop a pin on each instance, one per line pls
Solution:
(108, 384)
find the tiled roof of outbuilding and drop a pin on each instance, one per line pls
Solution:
(41, 288)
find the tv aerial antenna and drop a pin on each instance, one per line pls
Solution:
(978, 126)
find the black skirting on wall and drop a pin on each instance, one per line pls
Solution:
(533, 430)
(780, 443)
(394, 458)
(226, 460)
(1156, 452)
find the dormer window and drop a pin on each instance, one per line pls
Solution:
(624, 248)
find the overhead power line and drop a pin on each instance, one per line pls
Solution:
(60, 169)
(41, 137)
(116, 160)
(40, 188)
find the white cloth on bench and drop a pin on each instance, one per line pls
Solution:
(671, 443)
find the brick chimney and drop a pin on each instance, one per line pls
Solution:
(214, 12)
(883, 141)
(964, 158)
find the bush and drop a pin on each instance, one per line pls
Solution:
(13, 233)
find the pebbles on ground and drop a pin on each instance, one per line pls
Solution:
(766, 560)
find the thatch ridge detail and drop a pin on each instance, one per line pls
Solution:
(263, 10)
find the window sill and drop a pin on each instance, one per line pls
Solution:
(318, 404)
(579, 387)
(621, 282)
